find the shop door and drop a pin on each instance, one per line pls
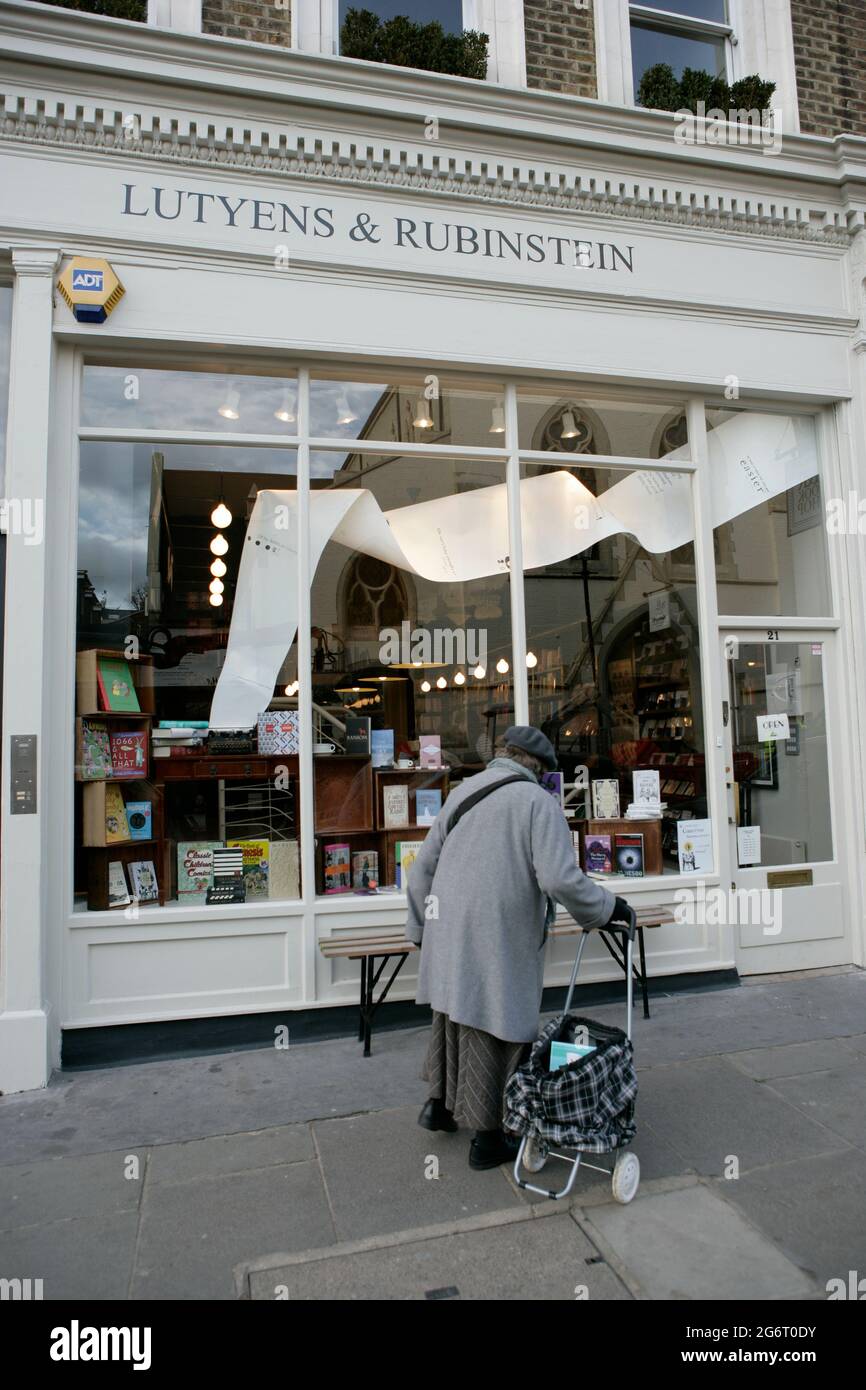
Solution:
(787, 901)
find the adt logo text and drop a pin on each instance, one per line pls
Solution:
(87, 280)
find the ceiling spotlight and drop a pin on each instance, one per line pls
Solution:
(569, 425)
(216, 600)
(441, 683)
(423, 419)
(479, 673)
(531, 659)
(502, 666)
(221, 516)
(345, 413)
(426, 687)
(219, 545)
(218, 568)
(229, 408)
(216, 586)
(460, 679)
(284, 412)
(497, 420)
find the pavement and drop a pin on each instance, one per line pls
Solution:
(300, 1172)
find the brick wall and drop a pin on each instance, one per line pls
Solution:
(830, 53)
(261, 21)
(560, 46)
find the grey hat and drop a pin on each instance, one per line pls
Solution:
(534, 742)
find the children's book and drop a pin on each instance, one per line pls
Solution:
(95, 751)
(405, 854)
(195, 868)
(256, 867)
(116, 686)
(598, 854)
(118, 893)
(628, 854)
(338, 868)
(382, 747)
(116, 824)
(365, 871)
(129, 753)
(428, 804)
(143, 875)
(140, 820)
(430, 750)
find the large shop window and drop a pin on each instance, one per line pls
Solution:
(682, 33)
(771, 558)
(166, 811)
(612, 629)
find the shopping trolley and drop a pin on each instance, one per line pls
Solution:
(586, 1106)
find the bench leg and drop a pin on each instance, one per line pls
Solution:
(363, 999)
(643, 978)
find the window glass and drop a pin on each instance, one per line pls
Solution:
(715, 10)
(572, 422)
(5, 345)
(770, 558)
(614, 653)
(228, 402)
(449, 13)
(782, 786)
(161, 533)
(651, 45)
(413, 409)
(412, 623)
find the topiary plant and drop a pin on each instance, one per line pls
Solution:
(659, 89)
(113, 9)
(697, 86)
(401, 42)
(752, 94)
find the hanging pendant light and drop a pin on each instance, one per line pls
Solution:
(284, 411)
(221, 516)
(531, 660)
(218, 569)
(219, 545)
(426, 687)
(216, 600)
(460, 679)
(216, 586)
(442, 683)
(502, 666)
(229, 409)
(423, 419)
(497, 420)
(479, 673)
(569, 426)
(345, 413)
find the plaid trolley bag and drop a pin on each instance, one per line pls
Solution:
(586, 1106)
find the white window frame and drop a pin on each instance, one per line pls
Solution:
(760, 40)
(184, 16)
(316, 29)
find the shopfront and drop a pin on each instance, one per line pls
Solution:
(352, 478)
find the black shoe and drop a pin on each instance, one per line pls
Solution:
(435, 1116)
(491, 1148)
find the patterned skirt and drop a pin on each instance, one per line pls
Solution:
(468, 1069)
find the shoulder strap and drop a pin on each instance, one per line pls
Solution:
(473, 800)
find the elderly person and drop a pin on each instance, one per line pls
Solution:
(481, 897)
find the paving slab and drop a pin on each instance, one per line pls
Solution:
(796, 1059)
(835, 1098)
(194, 1233)
(230, 1153)
(88, 1259)
(812, 1208)
(57, 1189)
(376, 1167)
(692, 1245)
(547, 1259)
(708, 1110)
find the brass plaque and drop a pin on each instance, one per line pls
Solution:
(790, 878)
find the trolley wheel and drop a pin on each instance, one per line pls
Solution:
(535, 1154)
(626, 1176)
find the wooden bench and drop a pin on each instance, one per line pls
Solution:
(378, 945)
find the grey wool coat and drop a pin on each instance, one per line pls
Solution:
(480, 903)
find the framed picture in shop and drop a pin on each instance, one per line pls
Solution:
(767, 773)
